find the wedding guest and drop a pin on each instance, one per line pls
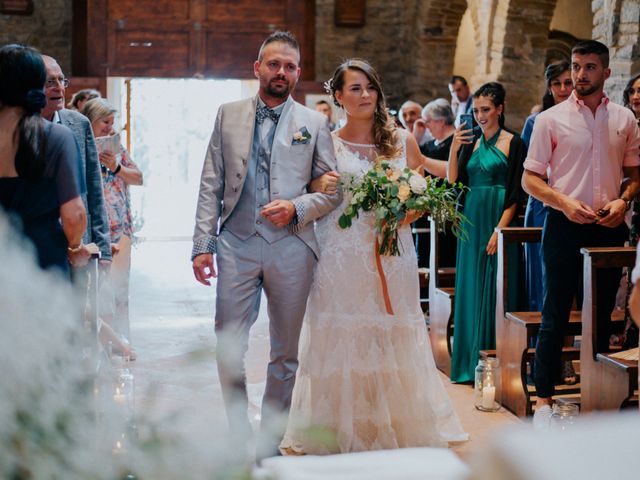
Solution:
(89, 167)
(323, 107)
(81, 97)
(588, 147)
(39, 185)
(438, 118)
(634, 300)
(491, 167)
(410, 112)
(631, 100)
(559, 88)
(118, 172)
(461, 101)
(631, 96)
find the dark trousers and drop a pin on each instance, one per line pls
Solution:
(562, 267)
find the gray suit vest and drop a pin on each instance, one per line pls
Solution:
(245, 220)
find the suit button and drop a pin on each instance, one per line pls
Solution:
(235, 189)
(244, 162)
(238, 175)
(258, 222)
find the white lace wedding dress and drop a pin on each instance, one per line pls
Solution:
(366, 380)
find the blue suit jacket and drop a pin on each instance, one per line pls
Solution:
(93, 199)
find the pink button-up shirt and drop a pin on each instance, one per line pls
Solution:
(583, 154)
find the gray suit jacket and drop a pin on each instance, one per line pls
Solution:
(293, 165)
(97, 220)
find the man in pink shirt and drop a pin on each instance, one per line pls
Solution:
(588, 148)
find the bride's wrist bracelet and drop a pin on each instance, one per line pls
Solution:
(74, 250)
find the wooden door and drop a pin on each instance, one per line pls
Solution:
(184, 38)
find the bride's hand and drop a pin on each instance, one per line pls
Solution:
(411, 217)
(327, 183)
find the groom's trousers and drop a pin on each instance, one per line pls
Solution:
(284, 270)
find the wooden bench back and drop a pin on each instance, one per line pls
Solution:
(597, 382)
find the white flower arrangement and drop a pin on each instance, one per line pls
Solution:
(394, 193)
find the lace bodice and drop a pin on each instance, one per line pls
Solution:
(355, 159)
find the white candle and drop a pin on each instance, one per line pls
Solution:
(488, 396)
(120, 398)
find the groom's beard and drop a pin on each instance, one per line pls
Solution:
(279, 90)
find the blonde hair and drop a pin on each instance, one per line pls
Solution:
(385, 134)
(97, 108)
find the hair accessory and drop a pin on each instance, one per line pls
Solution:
(328, 86)
(35, 101)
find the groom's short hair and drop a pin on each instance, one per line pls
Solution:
(282, 37)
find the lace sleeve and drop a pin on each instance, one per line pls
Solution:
(402, 140)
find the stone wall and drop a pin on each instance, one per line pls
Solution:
(48, 29)
(616, 23)
(385, 40)
(412, 43)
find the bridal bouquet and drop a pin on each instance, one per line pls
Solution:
(394, 193)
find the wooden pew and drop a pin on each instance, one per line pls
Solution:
(441, 300)
(517, 330)
(607, 383)
(514, 330)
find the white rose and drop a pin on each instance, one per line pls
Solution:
(297, 136)
(418, 184)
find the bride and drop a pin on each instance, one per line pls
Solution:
(366, 379)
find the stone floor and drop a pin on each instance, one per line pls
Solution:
(175, 373)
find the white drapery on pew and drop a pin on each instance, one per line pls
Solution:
(405, 464)
(598, 447)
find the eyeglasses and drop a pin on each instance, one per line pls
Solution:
(51, 82)
(567, 83)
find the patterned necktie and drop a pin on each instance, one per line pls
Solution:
(263, 112)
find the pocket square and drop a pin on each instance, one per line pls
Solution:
(301, 137)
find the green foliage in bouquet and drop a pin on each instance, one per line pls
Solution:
(392, 193)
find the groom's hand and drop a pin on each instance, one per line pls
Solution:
(203, 268)
(279, 212)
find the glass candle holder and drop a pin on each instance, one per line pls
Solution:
(487, 385)
(564, 416)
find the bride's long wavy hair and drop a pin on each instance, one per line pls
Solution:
(384, 128)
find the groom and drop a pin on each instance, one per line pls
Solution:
(255, 215)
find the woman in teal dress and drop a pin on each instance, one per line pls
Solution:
(489, 161)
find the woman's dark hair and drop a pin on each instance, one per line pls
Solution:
(495, 91)
(22, 77)
(626, 94)
(83, 95)
(553, 71)
(384, 128)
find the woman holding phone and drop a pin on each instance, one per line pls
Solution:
(490, 164)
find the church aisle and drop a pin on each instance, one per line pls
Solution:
(175, 373)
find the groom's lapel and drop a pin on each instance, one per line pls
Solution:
(284, 131)
(247, 121)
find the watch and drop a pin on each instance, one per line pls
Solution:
(627, 203)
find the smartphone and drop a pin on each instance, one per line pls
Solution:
(467, 119)
(602, 213)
